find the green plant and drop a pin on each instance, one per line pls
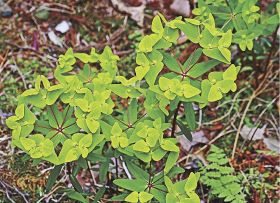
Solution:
(218, 175)
(16, 79)
(243, 17)
(255, 181)
(80, 119)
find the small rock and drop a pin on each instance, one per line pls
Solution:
(136, 13)
(5, 10)
(198, 137)
(252, 133)
(272, 144)
(62, 27)
(55, 39)
(181, 7)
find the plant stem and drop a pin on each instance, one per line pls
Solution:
(174, 119)
(271, 48)
(117, 171)
(150, 177)
(241, 123)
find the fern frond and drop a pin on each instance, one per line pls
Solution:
(218, 176)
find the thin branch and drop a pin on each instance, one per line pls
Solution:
(272, 47)
(174, 119)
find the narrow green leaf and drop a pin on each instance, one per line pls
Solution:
(137, 185)
(99, 194)
(75, 183)
(215, 53)
(76, 196)
(185, 130)
(193, 58)
(53, 176)
(190, 115)
(171, 62)
(119, 198)
(103, 171)
(136, 171)
(201, 68)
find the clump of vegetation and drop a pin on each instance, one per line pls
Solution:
(80, 120)
(219, 177)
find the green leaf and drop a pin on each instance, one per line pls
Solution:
(55, 117)
(190, 91)
(171, 160)
(225, 85)
(20, 111)
(53, 176)
(153, 73)
(191, 183)
(141, 59)
(132, 197)
(86, 140)
(171, 62)
(145, 197)
(123, 141)
(153, 136)
(200, 68)
(119, 198)
(72, 155)
(171, 35)
(27, 143)
(190, 115)
(136, 185)
(141, 146)
(193, 58)
(158, 154)
(146, 157)
(141, 71)
(116, 129)
(215, 53)
(159, 193)
(186, 132)
(46, 147)
(226, 53)
(157, 25)
(104, 170)
(225, 41)
(85, 58)
(99, 194)
(76, 196)
(168, 183)
(147, 43)
(132, 111)
(169, 146)
(136, 171)
(273, 20)
(115, 142)
(162, 44)
(191, 31)
(92, 124)
(164, 83)
(231, 72)
(214, 94)
(171, 198)
(75, 183)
